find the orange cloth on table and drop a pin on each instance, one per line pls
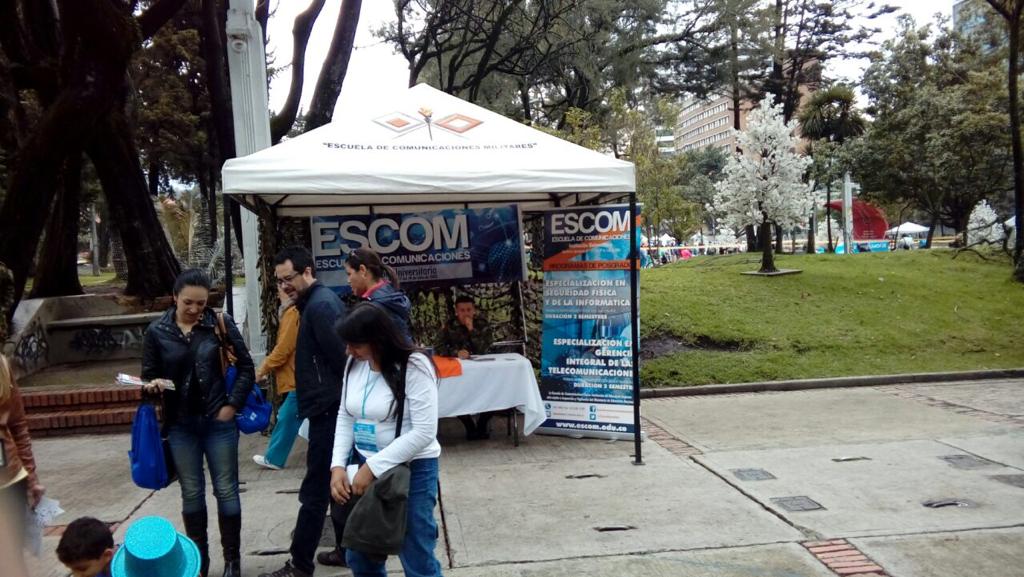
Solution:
(447, 367)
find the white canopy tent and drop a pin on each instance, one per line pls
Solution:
(907, 228)
(424, 149)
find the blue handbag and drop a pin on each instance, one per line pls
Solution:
(148, 460)
(255, 415)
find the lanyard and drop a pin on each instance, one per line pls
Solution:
(367, 388)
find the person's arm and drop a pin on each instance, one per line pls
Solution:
(445, 346)
(18, 425)
(421, 428)
(151, 364)
(333, 348)
(243, 364)
(284, 348)
(482, 337)
(344, 437)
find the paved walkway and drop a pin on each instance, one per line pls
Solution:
(868, 457)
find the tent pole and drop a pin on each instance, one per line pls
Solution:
(634, 284)
(229, 281)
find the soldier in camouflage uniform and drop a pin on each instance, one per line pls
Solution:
(468, 335)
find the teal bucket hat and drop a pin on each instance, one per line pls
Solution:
(152, 548)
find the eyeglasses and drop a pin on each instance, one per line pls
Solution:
(288, 279)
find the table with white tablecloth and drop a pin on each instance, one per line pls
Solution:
(493, 383)
(488, 383)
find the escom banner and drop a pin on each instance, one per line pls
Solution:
(586, 358)
(444, 247)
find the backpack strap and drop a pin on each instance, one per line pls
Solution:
(400, 401)
(227, 350)
(349, 363)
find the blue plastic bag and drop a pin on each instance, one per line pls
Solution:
(147, 458)
(255, 415)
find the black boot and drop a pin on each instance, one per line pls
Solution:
(231, 541)
(195, 528)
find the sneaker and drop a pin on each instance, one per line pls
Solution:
(287, 571)
(333, 558)
(263, 462)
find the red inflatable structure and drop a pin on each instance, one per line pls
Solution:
(868, 220)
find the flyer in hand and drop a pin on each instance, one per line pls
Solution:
(133, 381)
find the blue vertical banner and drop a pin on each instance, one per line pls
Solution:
(587, 348)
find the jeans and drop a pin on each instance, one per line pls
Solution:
(192, 437)
(315, 491)
(417, 554)
(283, 437)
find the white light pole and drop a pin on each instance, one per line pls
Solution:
(247, 70)
(847, 214)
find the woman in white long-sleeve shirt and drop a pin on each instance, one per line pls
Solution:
(367, 422)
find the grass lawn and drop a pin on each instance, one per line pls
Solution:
(862, 314)
(88, 280)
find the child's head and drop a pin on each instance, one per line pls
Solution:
(86, 547)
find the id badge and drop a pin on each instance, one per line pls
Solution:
(366, 436)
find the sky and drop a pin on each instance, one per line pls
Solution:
(375, 69)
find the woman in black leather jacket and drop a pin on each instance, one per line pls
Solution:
(183, 348)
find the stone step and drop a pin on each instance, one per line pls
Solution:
(84, 421)
(75, 399)
(68, 411)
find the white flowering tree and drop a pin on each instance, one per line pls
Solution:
(763, 183)
(984, 225)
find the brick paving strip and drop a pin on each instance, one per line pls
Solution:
(673, 444)
(844, 559)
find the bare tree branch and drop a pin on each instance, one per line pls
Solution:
(282, 122)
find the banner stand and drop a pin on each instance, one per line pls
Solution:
(634, 310)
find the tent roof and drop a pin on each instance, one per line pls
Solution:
(394, 156)
(908, 228)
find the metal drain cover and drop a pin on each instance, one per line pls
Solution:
(797, 504)
(967, 461)
(944, 503)
(1015, 480)
(752, 474)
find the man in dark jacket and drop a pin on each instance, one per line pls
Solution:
(319, 370)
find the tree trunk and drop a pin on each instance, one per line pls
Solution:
(524, 100)
(812, 230)
(1018, 154)
(57, 270)
(105, 37)
(767, 256)
(153, 178)
(152, 266)
(778, 239)
(931, 231)
(220, 97)
(332, 76)
(828, 215)
(751, 238)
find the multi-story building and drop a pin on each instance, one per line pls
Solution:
(974, 19)
(665, 140)
(704, 123)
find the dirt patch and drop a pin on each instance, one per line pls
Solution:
(667, 345)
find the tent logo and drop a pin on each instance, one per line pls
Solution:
(402, 123)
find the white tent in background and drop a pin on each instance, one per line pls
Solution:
(667, 239)
(907, 228)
